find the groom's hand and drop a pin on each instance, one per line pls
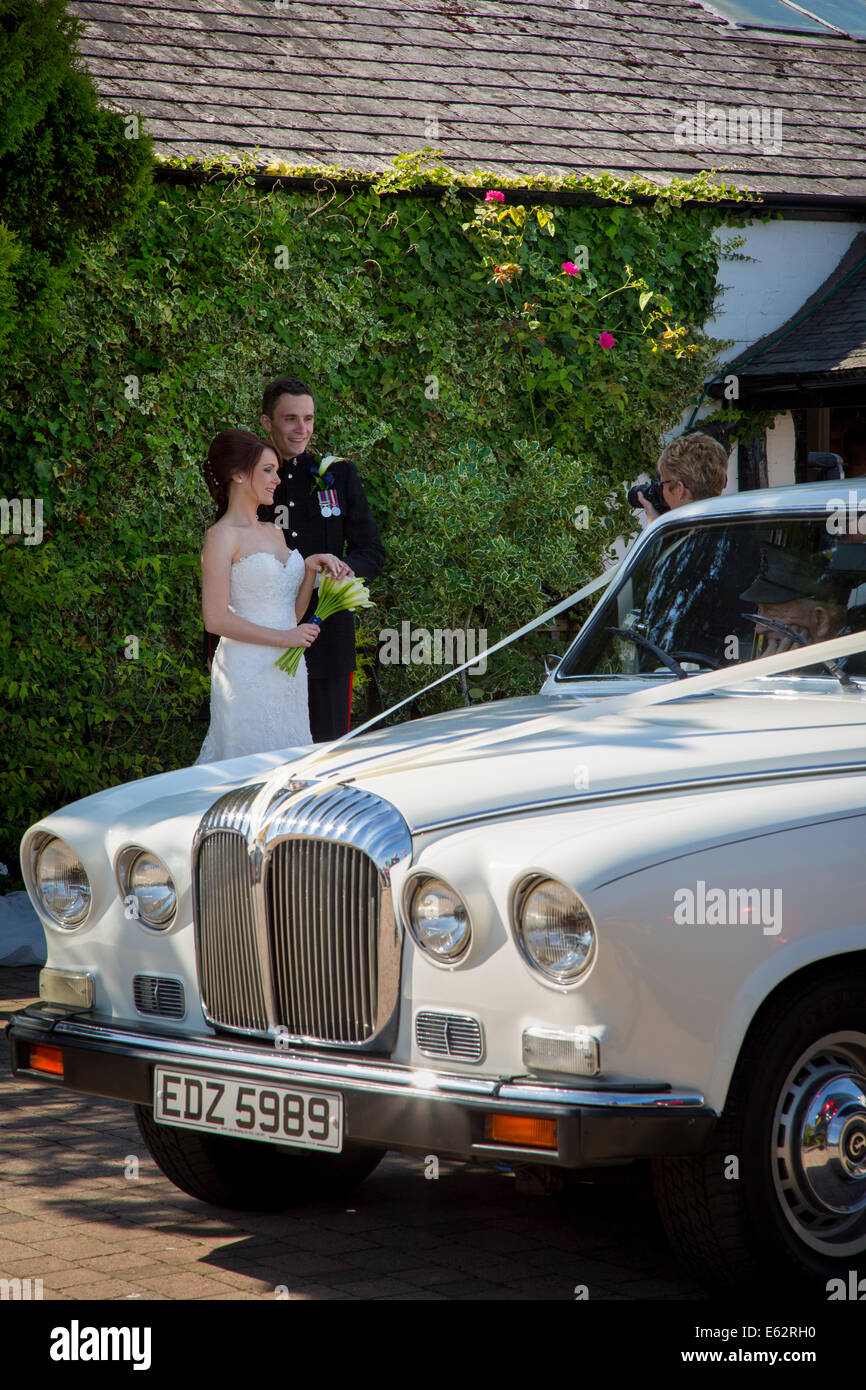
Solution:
(332, 564)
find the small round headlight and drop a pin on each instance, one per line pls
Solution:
(439, 918)
(145, 878)
(62, 884)
(554, 929)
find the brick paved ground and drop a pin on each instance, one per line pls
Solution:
(70, 1217)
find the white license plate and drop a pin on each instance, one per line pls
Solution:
(271, 1111)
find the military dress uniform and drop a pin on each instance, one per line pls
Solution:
(332, 517)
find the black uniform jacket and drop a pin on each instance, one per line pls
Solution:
(353, 536)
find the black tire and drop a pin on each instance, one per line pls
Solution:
(795, 1224)
(248, 1175)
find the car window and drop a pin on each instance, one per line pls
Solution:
(713, 595)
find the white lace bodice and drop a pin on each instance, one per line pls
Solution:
(263, 589)
(255, 707)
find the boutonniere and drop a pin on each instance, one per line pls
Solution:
(321, 476)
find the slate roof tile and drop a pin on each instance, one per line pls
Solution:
(516, 86)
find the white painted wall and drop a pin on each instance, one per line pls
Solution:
(789, 260)
(780, 451)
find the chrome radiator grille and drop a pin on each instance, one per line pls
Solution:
(323, 918)
(295, 927)
(232, 982)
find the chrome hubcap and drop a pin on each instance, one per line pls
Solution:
(833, 1144)
(819, 1145)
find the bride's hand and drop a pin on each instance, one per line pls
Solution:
(302, 636)
(334, 566)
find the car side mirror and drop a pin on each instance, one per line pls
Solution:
(551, 661)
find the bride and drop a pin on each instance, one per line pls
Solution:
(254, 593)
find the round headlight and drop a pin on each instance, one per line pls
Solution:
(145, 878)
(439, 918)
(62, 884)
(555, 930)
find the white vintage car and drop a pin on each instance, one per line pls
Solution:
(623, 919)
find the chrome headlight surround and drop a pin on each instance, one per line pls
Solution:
(142, 875)
(527, 897)
(422, 928)
(67, 876)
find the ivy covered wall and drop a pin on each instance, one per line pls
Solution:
(496, 370)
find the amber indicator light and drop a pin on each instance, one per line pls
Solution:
(44, 1058)
(525, 1130)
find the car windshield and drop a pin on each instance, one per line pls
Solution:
(706, 596)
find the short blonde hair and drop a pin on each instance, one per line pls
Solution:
(699, 462)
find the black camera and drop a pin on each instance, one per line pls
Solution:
(653, 493)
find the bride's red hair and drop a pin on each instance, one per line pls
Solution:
(230, 452)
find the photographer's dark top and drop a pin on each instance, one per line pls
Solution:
(352, 535)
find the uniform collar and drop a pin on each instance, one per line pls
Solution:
(302, 460)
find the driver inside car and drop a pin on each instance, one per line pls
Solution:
(790, 590)
(796, 601)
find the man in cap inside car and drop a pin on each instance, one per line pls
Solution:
(792, 591)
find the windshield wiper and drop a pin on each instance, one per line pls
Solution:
(639, 640)
(833, 667)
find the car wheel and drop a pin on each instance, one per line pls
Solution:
(780, 1199)
(249, 1175)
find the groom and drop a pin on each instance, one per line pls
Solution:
(333, 516)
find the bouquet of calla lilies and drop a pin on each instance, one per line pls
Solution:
(335, 596)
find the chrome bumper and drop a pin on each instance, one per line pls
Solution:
(408, 1109)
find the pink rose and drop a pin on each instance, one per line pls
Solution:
(570, 268)
(605, 340)
(494, 196)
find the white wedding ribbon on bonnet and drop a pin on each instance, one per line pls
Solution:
(664, 693)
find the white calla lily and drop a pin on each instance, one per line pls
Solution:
(335, 596)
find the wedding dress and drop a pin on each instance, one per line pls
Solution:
(254, 706)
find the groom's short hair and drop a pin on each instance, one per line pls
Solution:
(283, 386)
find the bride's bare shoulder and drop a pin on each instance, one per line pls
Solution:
(219, 540)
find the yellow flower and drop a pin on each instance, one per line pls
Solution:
(505, 273)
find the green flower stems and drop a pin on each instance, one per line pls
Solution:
(335, 596)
